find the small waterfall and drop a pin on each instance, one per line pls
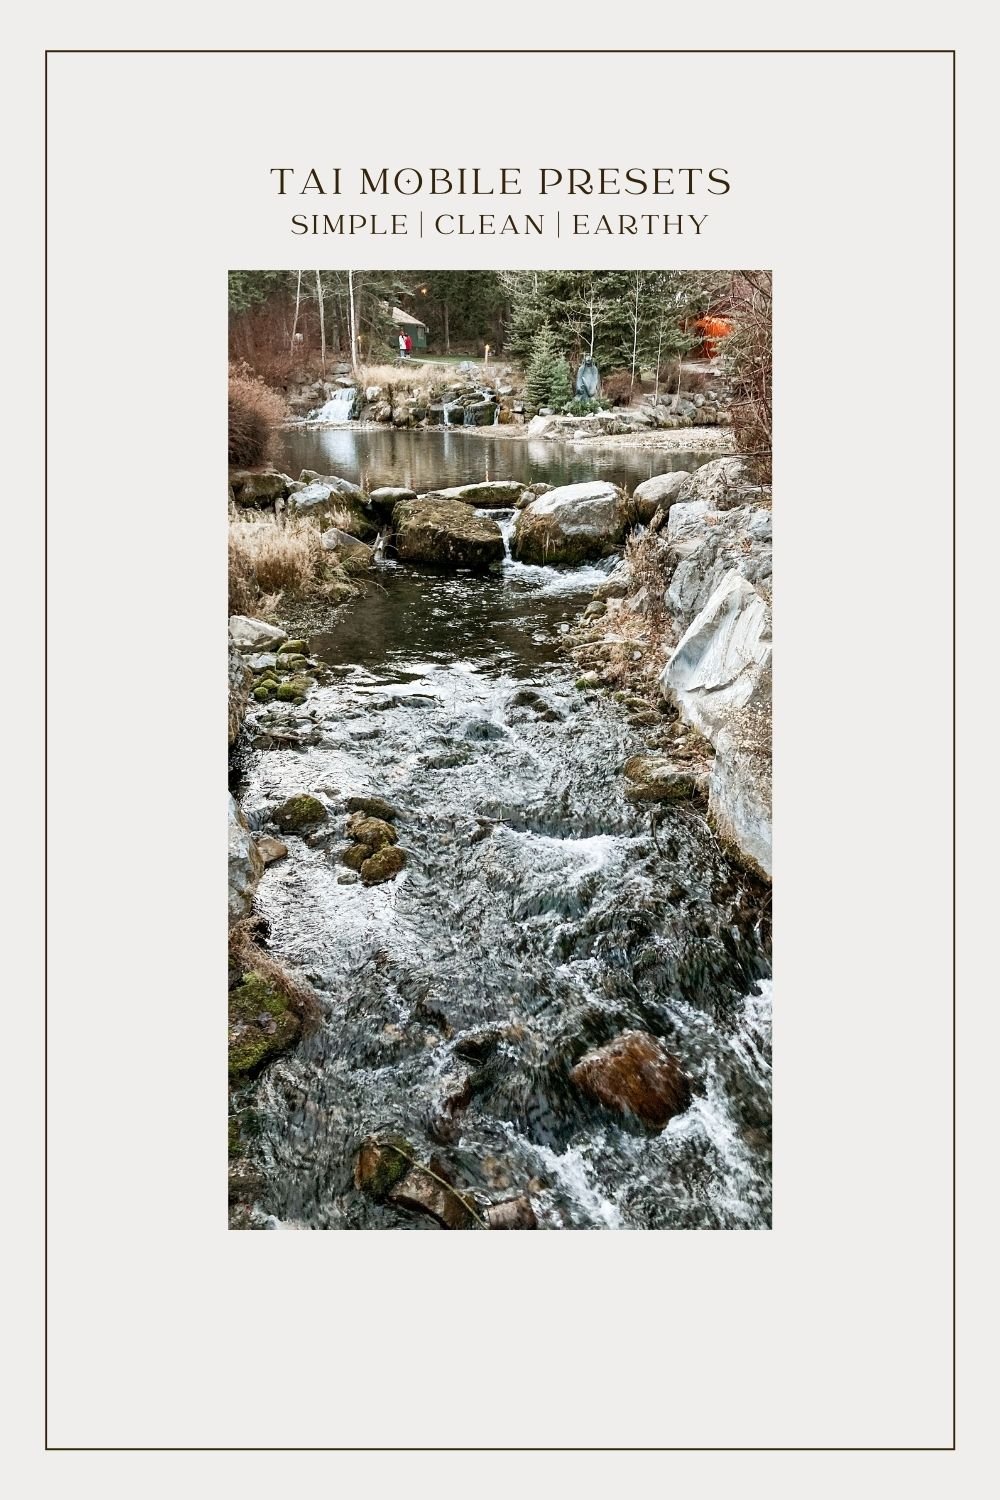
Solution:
(469, 417)
(339, 408)
(444, 413)
(496, 414)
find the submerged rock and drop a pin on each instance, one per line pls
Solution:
(420, 1192)
(385, 864)
(635, 1074)
(299, 813)
(513, 1213)
(573, 524)
(381, 1163)
(446, 533)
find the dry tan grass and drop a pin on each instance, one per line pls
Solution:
(268, 558)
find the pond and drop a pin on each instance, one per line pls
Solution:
(427, 459)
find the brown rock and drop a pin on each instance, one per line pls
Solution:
(271, 849)
(514, 1213)
(381, 1163)
(384, 864)
(374, 832)
(422, 1193)
(356, 855)
(635, 1074)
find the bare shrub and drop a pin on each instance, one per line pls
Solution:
(255, 410)
(746, 353)
(617, 388)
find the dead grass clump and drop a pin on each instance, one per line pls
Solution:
(255, 410)
(268, 558)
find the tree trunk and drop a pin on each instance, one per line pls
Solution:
(447, 335)
(354, 321)
(322, 323)
(295, 323)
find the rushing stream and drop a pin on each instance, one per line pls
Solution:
(538, 908)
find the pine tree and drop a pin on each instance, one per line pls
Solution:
(541, 367)
(560, 384)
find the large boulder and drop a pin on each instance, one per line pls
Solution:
(739, 796)
(659, 493)
(260, 489)
(635, 1075)
(497, 494)
(723, 484)
(446, 533)
(705, 545)
(383, 501)
(720, 662)
(334, 502)
(346, 488)
(573, 524)
(247, 634)
(719, 676)
(245, 864)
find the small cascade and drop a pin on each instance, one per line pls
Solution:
(444, 413)
(339, 408)
(496, 414)
(469, 417)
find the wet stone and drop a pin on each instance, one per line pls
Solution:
(636, 1075)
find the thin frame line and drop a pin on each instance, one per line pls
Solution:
(506, 51)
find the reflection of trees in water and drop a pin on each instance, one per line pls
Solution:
(425, 460)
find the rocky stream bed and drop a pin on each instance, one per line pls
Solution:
(525, 905)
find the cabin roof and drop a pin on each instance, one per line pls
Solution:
(399, 316)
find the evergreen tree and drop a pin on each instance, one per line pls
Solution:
(560, 384)
(541, 367)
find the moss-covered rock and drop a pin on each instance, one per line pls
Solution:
(289, 661)
(261, 1024)
(294, 690)
(385, 864)
(264, 693)
(299, 813)
(356, 855)
(658, 778)
(374, 832)
(382, 1162)
(295, 646)
(446, 533)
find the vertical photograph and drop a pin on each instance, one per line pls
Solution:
(499, 749)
